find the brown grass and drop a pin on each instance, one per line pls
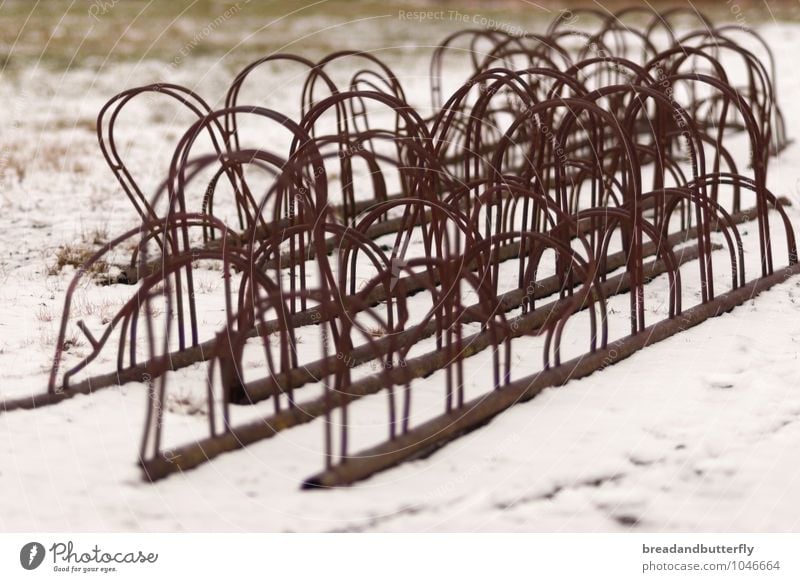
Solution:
(76, 256)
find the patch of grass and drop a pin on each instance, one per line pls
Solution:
(13, 168)
(18, 160)
(206, 286)
(97, 236)
(44, 314)
(89, 125)
(104, 309)
(185, 402)
(76, 256)
(62, 35)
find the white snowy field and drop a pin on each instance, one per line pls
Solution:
(704, 440)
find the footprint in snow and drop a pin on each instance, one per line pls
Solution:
(720, 381)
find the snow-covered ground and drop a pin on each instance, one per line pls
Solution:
(704, 440)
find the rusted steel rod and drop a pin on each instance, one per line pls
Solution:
(620, 143)
(253, 393)
(439, 431)
(189, 456)
(258, 390)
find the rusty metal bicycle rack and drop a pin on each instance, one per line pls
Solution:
(568, 171)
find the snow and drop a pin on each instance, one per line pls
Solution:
(702, 441)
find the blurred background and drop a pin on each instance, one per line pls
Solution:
(96, 34)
